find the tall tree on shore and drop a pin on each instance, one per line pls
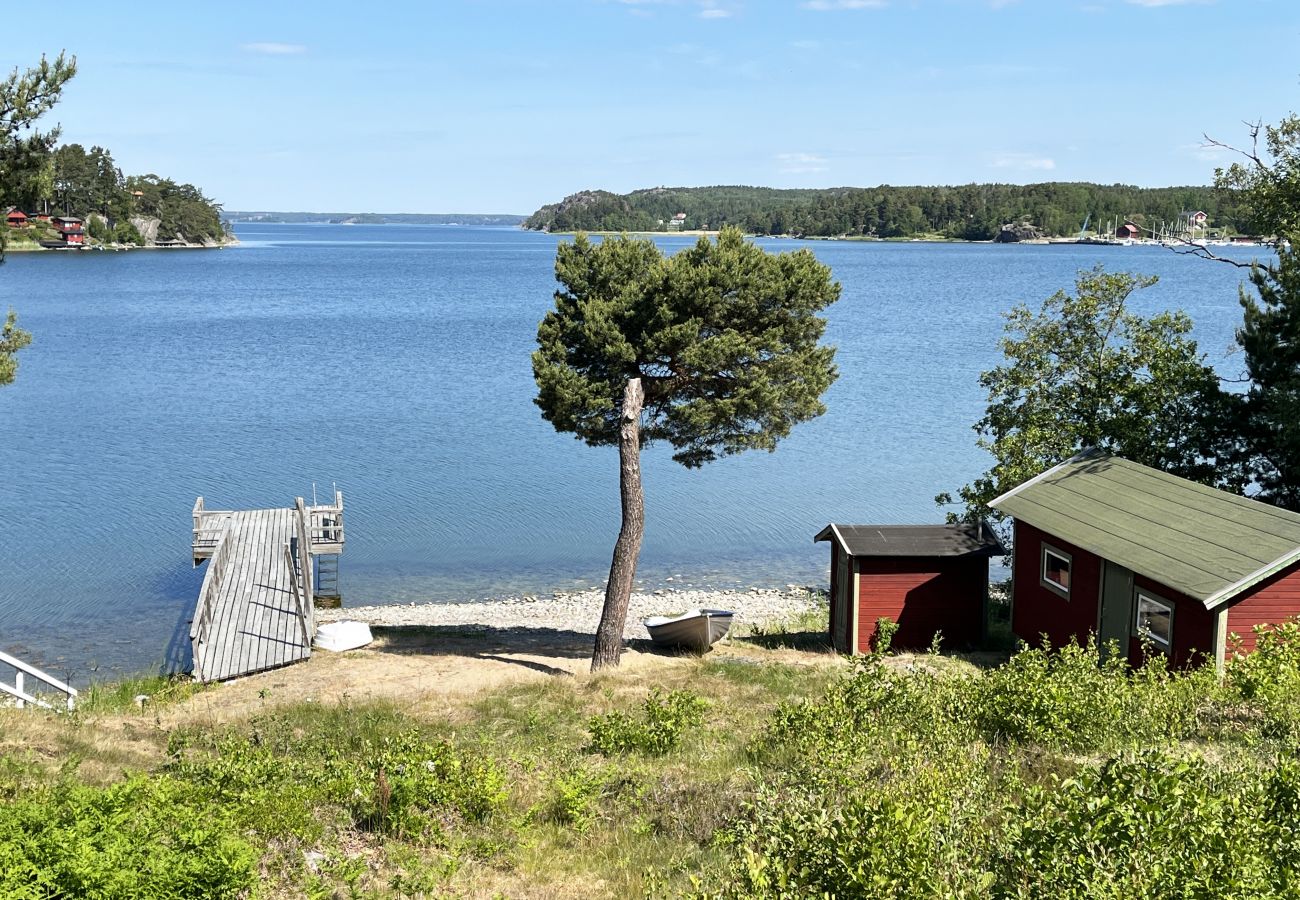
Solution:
(25, 167)
(1268, 180)
(1084, 371)
(715, 350)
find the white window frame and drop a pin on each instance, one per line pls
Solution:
(1064, 557)
(1160, 643)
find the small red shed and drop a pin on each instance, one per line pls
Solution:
(1128, 230)
(15, 217)
(925, 578)
(1105, 546)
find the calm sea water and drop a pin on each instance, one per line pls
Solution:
(393, 361)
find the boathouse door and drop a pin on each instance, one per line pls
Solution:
(840, 637)
(1116, 613)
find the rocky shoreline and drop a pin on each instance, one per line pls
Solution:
(580, 611)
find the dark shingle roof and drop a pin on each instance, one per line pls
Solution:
(913, 540)
(1202, 542)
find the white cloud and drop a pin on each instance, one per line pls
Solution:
(713, 12)
(824, 5)
(795, 163)
(1023, 161)
(1166, 2)
(274, 48)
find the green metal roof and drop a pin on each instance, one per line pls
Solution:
(1202, 542)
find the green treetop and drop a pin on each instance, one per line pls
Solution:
(719, 342)
(1084, 371)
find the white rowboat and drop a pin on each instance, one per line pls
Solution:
(696, 629)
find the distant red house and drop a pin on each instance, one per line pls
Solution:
(70, 227)
(15, 218)
(925, 578)
(1105, 546)
(1128, 230)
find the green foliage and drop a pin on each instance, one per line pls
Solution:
(971, 212)
(1270, 338)
(723, 336)
(143, 837)
(1154, 825)
(1056, 769)
(384, 779)
(12, 339)
(1268, 182)
(574, 792)
(25, 170)
(658, 730)
(1084, 371)
(886, 628)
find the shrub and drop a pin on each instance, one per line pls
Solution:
(658, 730)
(144, 837)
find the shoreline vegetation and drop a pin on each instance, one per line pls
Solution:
(977, 212)
(448, 760)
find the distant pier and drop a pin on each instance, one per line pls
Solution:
(256, 609)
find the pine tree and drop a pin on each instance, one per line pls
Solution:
(715, 350)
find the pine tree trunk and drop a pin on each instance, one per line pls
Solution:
(622, 569)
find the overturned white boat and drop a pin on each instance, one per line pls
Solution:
(696, 629)
(342, 636)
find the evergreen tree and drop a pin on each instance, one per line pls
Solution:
(715, 350)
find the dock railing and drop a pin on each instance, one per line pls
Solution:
(325, 524)
(208, 527)
(212, 581)
(18, 690)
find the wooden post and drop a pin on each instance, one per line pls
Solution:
(622, 568)
(297, 596)
(18, 683)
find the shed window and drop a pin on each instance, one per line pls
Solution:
(1056, 570)
(1155, 620)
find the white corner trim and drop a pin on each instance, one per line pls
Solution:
(839, 539)
(1232, 590)
(1081, 455)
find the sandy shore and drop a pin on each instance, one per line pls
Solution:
(580, 612)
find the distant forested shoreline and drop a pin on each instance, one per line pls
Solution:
(962, 212)
(288, 218)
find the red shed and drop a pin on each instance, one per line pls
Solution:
(1108, 547)
(926, 578)
(1128, 230)
(15, 217)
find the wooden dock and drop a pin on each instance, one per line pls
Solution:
(256, 608)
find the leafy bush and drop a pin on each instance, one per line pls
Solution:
(144, 837)
(658, 730)
(279, 777)
(573, 795)
(1269, 678)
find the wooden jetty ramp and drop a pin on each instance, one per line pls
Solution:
(266, 567)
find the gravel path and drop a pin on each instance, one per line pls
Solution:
(580, 611)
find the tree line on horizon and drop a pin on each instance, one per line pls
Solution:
(38, 175)
(974, 212)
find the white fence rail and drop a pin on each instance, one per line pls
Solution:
(18, 690)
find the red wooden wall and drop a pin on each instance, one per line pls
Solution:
(1038, 610)
(1273, 600)
(923, 596)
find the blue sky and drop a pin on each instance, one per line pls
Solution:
(502, 105)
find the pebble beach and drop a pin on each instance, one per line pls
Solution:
(580, 611)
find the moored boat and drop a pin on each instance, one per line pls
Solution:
(696, 629)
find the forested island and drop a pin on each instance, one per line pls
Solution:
(372, 218)
(975, 212)
(56, 195)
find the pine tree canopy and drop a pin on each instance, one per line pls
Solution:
(724, 336)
